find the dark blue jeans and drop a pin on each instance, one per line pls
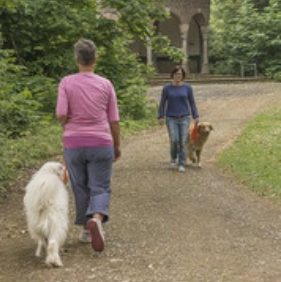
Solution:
(178, 129)
(90, 174)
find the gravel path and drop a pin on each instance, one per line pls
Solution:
(166, 226)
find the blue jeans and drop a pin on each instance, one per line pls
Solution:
(90, 174)
(177, 129)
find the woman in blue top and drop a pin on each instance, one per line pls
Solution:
(177, 104)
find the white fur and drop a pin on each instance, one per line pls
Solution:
(46, 207)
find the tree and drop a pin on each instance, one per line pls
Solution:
(260, 4)
(242, 33)
(42, 34)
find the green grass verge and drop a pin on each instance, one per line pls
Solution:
(130, 127)
(255, 157)
(19, 155)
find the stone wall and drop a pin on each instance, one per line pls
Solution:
(187, 29)
(186, 9)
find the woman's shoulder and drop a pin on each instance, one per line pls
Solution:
(93, 75)
(167, 85)
(67, 79)
(187, 86)
(100, 77)
(70, 77)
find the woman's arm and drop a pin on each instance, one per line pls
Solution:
(162, 105)
(62, 104)
(62, 120)
(192, 104)
(115, 132)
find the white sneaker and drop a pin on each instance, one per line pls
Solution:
(173, 164)
(85, 236)
(181, 168)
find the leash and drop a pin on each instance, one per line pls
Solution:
(64, 176)
(194, 133)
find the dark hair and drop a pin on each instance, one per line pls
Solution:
(85, 52)
(176, 69)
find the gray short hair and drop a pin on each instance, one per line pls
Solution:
(85, 52)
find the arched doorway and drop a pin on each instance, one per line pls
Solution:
(171, 29)
(187, 28)
(195, 44)
(139, 48)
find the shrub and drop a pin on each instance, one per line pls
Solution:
(17, 155)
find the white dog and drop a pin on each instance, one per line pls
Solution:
(46, 207)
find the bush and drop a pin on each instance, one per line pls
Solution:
(44, 91)
(274, 72)
(3, 167)
(17, 155)
(18, 114)
(24, 99)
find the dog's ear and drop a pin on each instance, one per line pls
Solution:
(211, 127)
(200, 127)
(59, 170)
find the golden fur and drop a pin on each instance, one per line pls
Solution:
(195, 148)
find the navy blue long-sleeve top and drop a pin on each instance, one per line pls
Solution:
(177, 100)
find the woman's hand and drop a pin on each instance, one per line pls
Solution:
(117, 153)
(115, 132)
(62, 120)
(161, 121)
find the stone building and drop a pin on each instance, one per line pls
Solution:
(187, 28)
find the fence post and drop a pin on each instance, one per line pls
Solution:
(255, 70)
(242, 69)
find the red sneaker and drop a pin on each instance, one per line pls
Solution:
(95, 228)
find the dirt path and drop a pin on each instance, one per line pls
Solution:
(201, 225)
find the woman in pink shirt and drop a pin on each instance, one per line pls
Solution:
(87, 109)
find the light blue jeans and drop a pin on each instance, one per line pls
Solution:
(177, 129)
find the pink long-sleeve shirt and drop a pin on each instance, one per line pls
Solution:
(89, 102)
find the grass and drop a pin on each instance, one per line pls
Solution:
(255, 157)
(129, 127)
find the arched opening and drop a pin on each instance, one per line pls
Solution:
(192, 37)
(139, 48)
(195, 44)
(171, 29)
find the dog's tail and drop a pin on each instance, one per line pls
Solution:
(42, 188)
(41, 195)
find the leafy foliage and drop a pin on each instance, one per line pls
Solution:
(138, 17)
(3, 167)
(17, 155)
(23, 99)
(43, 37)
(36, 51)
(18, 113)
(43, 40)
(243, 33)
(15, 111)
(260, 4)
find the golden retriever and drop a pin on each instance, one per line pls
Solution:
(195, 147)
